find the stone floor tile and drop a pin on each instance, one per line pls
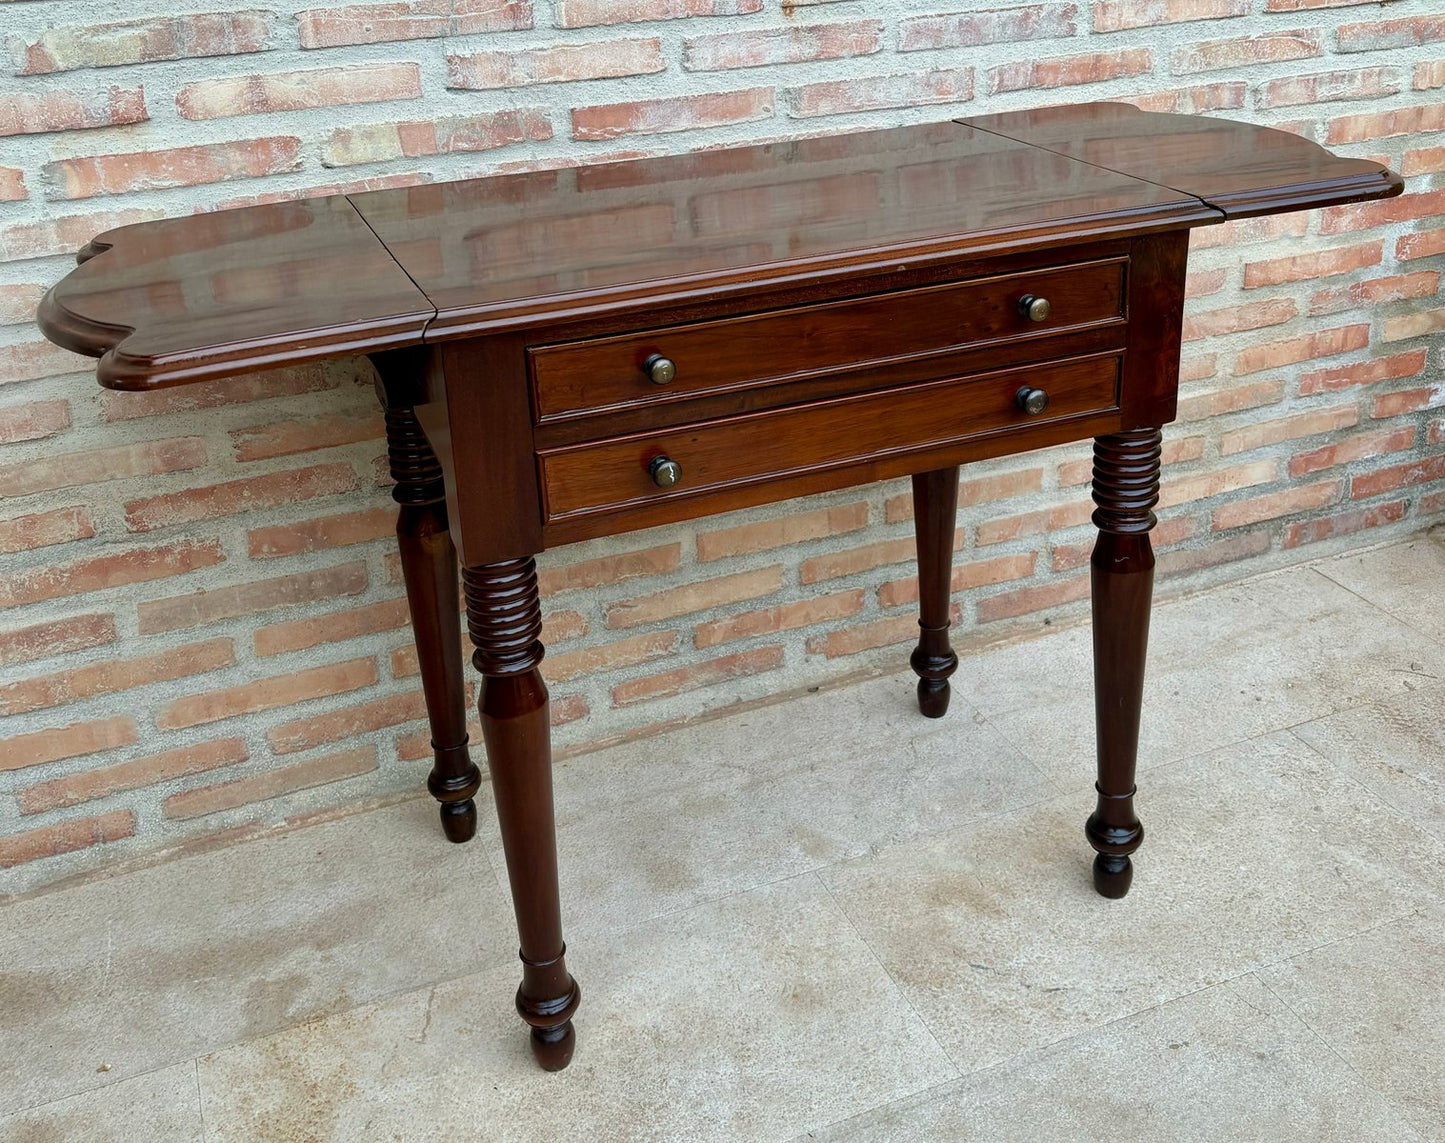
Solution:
(1378, 999)
(1252, 853)
(1226, 1063)
(159, 1107)
(750, 1018)
(1405, 579)
(1230, 664)
(164, 963)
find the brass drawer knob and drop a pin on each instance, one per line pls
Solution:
(659, 369)
(664, 471)
(1034, 307)
(1032, 401)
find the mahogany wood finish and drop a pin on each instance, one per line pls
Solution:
(504, 619)
(935, 513)
(834, 311)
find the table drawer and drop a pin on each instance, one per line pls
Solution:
(595, 376)
(615, 473)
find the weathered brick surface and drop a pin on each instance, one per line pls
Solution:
(250, 516)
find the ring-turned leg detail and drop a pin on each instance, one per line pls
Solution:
(935, 509)
(504, 619)
(1126, 488)
(429, 566)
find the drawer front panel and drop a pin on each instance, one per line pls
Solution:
(601, 375)
(613, 474)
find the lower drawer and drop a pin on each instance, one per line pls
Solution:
(609, 474)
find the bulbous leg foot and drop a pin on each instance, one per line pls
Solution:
(1113, 874)
(933, 696)
(459, 820)
(553, 1047)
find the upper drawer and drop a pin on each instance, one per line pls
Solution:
(585, 377)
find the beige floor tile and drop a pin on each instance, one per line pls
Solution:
(1406, 579)
(749, 1018)
(164, 963)
(658, 826)
(1227, 1063)
(160, 1107)
(1395, 748)
(1232, 664)
(1252, 853)
(1378, 999)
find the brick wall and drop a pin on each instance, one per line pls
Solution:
(204, 628)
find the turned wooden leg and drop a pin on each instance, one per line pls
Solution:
(935, 508)
(504, 618)
(429, 566)
(1126, 488)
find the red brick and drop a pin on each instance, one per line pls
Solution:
(794, 528)
(409, 20)
(1174, 530)
(1232, 398)
(94, 175)
(1027, 600)
(88, 785)
(1201, 283)
(200, 607)
(298, 90)
(12, 185)
(605, 570)
(1309, 5)
(1315, 264)
(1351, 449)
(1330, 87)
(33, 421)
(1391, 368)
(692, 597)
(42, 529)
(1430, 244)
(867, 93)
(589, 13)
(1273, 505)
(55, 637)
(1196, 366)
(783, 617)
(73, 741)
(30, 360)
(1423, 161)
(611, 656)
(1244, 51)
(1374, 292)
(271, 783)
(1118, 15)
(1093, 67)
(1406, 32)
(485, 131)
(1291, 351)
(1422, 470)
(118, 406)
(973, 29)
(18, 302)
(299, 634)
(1184, 560)
(1422, 324)
(849, 561)
(268, 693)
(1429, 74)
(705, 674)
(564, 63)
(136, 565)
(286, 438)
(41, 237)
(769, 46)
(1373, 125)
(1046, 521)
(234, 496)
(70, 46)
(1307, 424)
(1233, 319)
(112, 675)
(321, 533)
(965, 577)
(1241, 231)
(1344, 524)
(859, 637)
(65, 837)
(1365, 215)
(123, 462)
(1193, 100)
(69, 109)
(349, 722)
(675, 113)
(1203, 485)
(1406, 401)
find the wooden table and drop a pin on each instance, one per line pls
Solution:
(575, 353)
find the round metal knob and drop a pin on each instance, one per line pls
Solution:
(664, 471)
(659, 369)
(1034, 307)
(1032, 401)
